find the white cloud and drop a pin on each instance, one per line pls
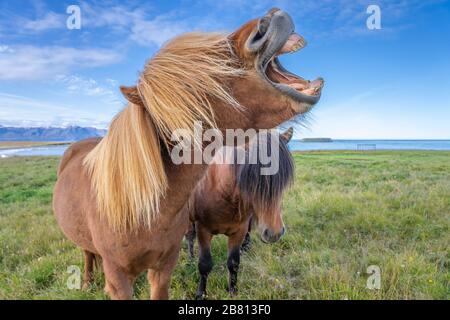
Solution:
(117, 17)
(50, 21)
(112, 82)
(157, 30)
(18, 24)
(137, 24)
(22, 111)
(6, 49)
(31, 63)
(77, 85)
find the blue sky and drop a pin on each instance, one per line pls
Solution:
(387, 83)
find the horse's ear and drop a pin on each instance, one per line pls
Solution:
(287, 135)
(132, 95)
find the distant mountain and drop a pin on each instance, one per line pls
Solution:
(73, 133)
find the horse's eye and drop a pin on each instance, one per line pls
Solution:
(263, 25)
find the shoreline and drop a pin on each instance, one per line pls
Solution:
(10, 145)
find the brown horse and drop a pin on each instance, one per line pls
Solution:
(122, 198)
(228, 198)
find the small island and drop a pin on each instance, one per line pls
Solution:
(317, 140)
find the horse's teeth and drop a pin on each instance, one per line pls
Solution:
(295, 47)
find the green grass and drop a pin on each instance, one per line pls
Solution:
(346, 211)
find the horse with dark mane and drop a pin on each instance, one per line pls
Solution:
(121, 197)
(230, 197)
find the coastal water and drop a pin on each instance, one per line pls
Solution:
(294, 145)
(298, 145)
(34, 151)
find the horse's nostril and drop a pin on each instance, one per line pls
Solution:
(267, 236)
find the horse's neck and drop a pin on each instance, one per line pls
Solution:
(182, 180)
(226, 173)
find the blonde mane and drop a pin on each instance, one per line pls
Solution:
(177, 88)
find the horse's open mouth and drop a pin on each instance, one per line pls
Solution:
(295, 86)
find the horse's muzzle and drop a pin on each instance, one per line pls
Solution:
(269, 236)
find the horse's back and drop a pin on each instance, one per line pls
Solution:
(77, 148)
(72, 196)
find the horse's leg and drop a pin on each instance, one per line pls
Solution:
(159, 283)
(190, 237)
(119, 284)
(234, 257)
(205, 261)
(159, 279)
(89, 259)
(246, 245)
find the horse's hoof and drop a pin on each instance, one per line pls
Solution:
(200, 296)
(233, 292)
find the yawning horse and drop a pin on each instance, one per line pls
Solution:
(229, 197)
(122, 197)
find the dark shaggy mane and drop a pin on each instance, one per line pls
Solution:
(264, 190)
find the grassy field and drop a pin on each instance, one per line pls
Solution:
(27, 144)
(347, 211)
